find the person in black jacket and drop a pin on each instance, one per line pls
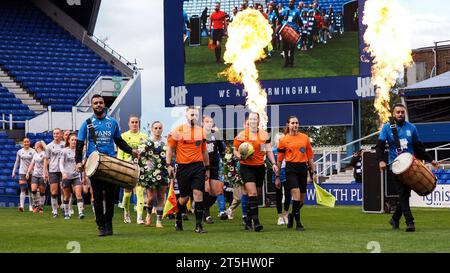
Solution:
(204, 18)
(356, 163)
(216, 150)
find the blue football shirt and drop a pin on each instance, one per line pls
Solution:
(407, 134)
(106, 130)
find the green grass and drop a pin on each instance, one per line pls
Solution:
(339, 57)
(338, 230)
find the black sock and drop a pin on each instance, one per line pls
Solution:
(219, 52)
(181, 210)
(211, 200)
(199, 212)
(253, 206)
(206, 204)
(296, 211)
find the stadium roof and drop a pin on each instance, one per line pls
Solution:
(432, 86)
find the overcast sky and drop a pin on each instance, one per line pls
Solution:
(135, 29)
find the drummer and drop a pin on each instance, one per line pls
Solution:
(101, 134)
(409, 142)
(290, 16)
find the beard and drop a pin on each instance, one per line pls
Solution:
(399, 121)
(99, 113)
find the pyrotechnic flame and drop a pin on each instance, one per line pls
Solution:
(388, 39)
(248, 35)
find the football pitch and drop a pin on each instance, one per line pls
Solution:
(337, 230)
(339, 57)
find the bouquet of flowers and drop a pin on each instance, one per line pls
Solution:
(229, 169)
(152, 164)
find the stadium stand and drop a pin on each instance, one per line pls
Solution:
(8, 186)
(443, 176)
(9, 104)
(50, 64)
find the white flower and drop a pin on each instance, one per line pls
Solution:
(147, 179)
(141, 177)
(156, 156)
(153, 180)
(150, 152)
(156, 172)
(159, 166)
(136, 160)
(228, 156)
(158, 177)
(164, 148)
(230, 175)
(146, 167)
(231, 169)
(163, 154)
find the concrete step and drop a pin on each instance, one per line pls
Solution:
(17, 90)
(5, 79)
(10, 85)
(23, 96)
(36, 107)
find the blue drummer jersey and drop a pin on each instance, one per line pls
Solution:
(407, 135)
(293, 17)
(106, 130)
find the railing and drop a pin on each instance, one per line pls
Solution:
(89, 87)
(115, 53)
(326, 162)
(9, 121)
(439, 148)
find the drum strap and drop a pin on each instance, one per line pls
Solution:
(395, 134)
(91, 131)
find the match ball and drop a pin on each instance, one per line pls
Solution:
(246, 150)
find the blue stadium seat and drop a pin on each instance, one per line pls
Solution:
(43, 56)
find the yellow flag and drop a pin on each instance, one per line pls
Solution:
(171, 202)
(189, 204)
(323, 197)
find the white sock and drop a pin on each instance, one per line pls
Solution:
(80, 207)
(22, 199)
(66, 209)
(42, 200)
(54, 201)
(30, 200)
(36, 199)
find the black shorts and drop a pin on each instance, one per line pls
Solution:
(254, 174)
(189, 177)
(296, 176)
(214, 172)
(217, 35)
